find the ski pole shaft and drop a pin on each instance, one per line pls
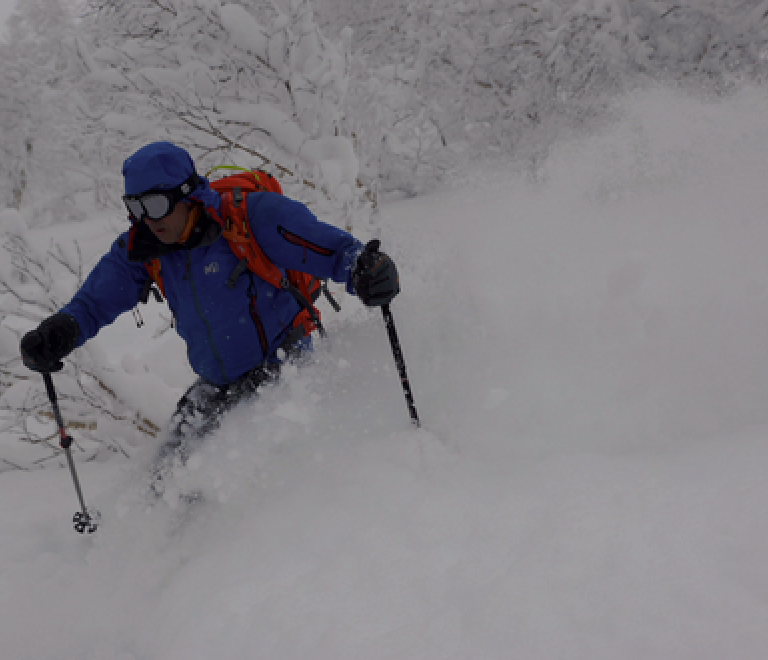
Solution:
(54, 403)
(397, 352)
(76, 481)
(66, 441)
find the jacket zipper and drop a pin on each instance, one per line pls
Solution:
(256, 318)
(188, 269)
(304, 243)
(259, 327)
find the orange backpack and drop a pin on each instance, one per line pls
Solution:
(233, 220)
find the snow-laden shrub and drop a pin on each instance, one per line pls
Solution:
(41, 167)
(36, 280)
(421, 88)
(231, 84)
(438, 83)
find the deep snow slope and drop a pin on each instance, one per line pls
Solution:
(588, 351)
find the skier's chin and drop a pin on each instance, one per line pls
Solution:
(164, 236)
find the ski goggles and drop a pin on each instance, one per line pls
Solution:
(156, 204)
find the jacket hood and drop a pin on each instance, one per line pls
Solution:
(161, 166)
(209, 198)
(156, 166)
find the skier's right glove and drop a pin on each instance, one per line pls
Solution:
(42, 349)
(374, 276)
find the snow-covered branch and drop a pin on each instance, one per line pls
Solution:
(34, 283)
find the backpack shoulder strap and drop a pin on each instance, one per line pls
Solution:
(153, 268)
(237, 232)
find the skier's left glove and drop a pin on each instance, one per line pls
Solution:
(42, 349)
(374, 276)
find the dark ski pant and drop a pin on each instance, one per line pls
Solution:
(199, 412)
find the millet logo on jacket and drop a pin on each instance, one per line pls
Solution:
(212, 267)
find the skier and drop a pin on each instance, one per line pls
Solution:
(237, 326)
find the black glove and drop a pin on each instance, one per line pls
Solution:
(374, 276)
(55, 338)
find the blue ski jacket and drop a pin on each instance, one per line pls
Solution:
(219, 323)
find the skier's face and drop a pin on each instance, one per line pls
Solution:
(169, 228)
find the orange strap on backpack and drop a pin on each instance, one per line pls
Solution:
(153, 268)
(236, 231)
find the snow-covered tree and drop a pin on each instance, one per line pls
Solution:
(435, 84)
(438, 83)
(229, 83)
(37, 76)
(36, 279)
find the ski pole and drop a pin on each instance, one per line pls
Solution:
(400, 362)
(82, 521)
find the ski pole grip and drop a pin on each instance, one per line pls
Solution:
(373, 245)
